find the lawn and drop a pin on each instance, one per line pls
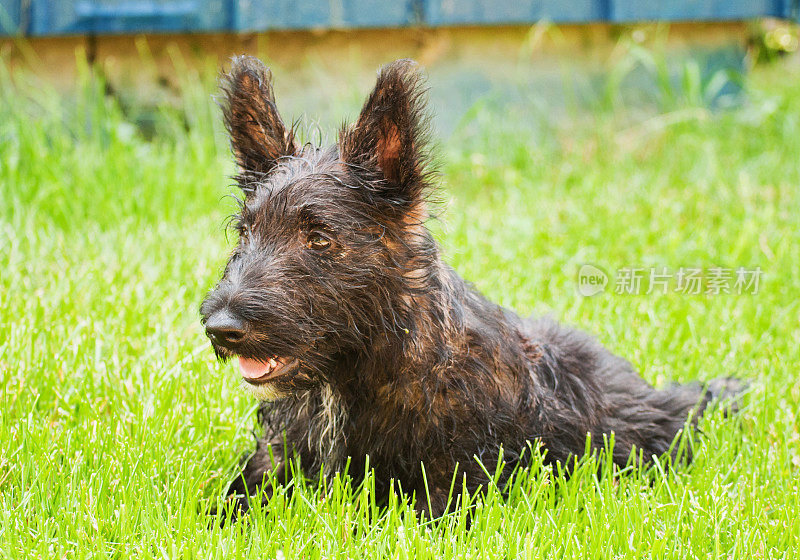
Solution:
(119, 429)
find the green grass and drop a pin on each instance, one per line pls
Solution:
(118, 427)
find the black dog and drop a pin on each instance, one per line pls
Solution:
(362, 342)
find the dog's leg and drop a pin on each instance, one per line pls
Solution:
(267, 464)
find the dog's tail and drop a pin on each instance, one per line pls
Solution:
(696, 397)
(726, 391)
(682, 402)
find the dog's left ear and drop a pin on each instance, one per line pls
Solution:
(258, 136)
(389, 137)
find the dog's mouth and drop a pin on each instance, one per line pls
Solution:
(258, 372)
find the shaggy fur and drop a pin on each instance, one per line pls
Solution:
(398, 358)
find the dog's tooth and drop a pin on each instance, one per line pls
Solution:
(273, 363)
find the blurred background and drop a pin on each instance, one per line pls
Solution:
(532, 57)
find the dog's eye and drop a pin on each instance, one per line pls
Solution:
(317, 241)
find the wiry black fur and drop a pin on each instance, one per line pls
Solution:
(400, 359)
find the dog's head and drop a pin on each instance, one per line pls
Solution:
(331, 241)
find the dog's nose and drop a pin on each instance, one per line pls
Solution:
(225, 329)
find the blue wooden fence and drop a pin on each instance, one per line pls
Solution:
(70, 17)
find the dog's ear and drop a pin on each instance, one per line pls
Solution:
(258, 135)
(390, 137)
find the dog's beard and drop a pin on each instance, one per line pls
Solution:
(266, 392)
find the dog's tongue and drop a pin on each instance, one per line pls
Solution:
(253, 369)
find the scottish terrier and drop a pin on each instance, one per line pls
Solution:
(367, 349)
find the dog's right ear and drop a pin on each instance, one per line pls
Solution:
(258, 136)
(390, 135)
